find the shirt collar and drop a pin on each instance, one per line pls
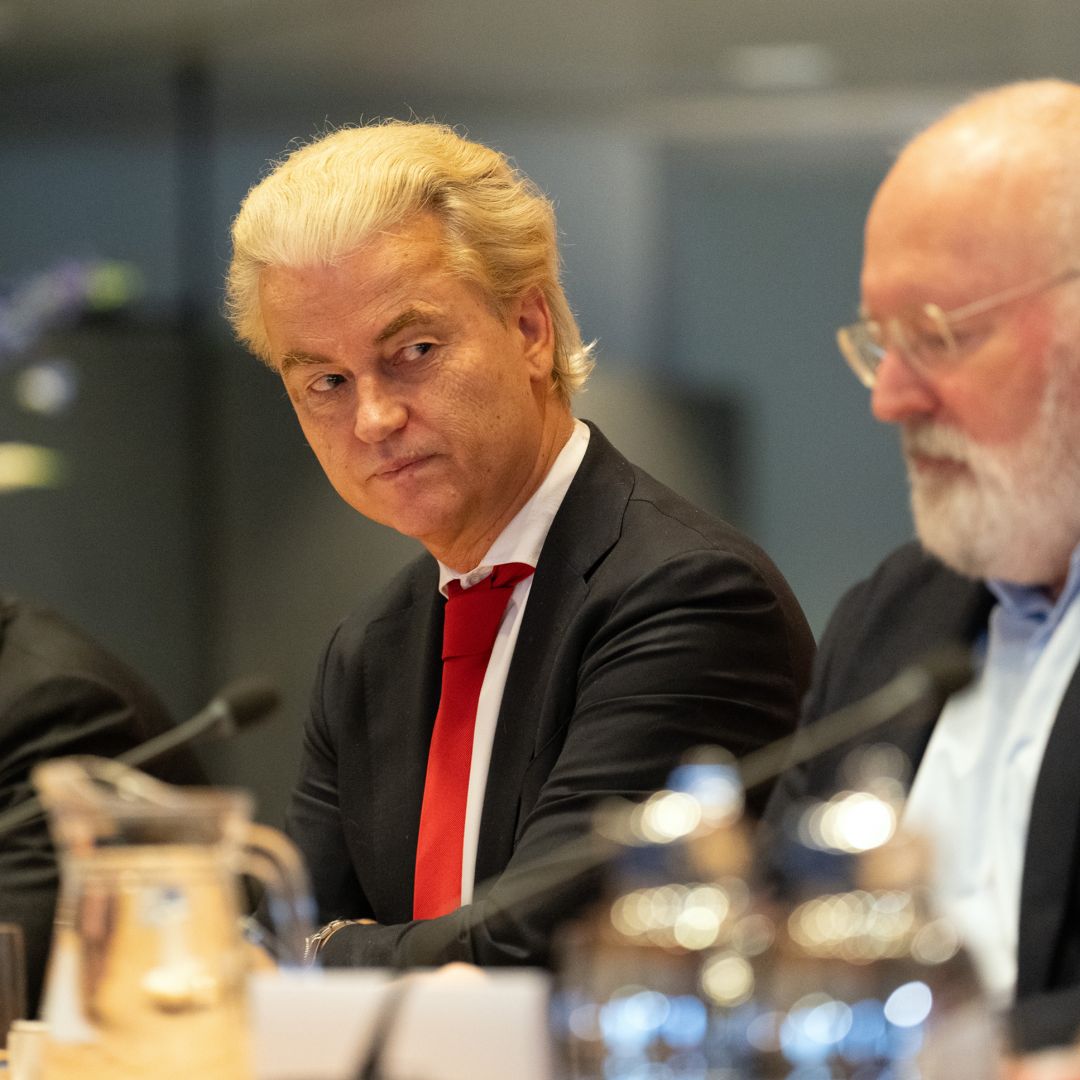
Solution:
(1031, 602)
(526, 532)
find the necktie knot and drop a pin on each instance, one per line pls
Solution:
(472, 616)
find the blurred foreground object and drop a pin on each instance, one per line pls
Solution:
(452, 1024)
(12, 977)
(25, 1044)
(685, 968)
(147, 973)
(1063, 1064)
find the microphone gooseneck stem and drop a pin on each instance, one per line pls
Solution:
(215, 714)
(806, 743)
(929, 683)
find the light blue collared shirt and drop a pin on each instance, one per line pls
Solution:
(974, 787)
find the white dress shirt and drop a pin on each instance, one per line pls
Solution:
(973, 789)
(521, 542)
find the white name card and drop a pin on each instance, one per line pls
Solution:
(457, 1023)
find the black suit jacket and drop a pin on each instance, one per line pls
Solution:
(60, 693)
(650, 628)
(912, 603)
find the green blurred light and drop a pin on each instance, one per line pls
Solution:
(112, 285)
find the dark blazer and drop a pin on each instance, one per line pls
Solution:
(650, 628)
(891, 620)
(60, 693)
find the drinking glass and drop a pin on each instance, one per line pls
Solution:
(12, 978)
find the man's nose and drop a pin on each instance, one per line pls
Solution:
(379, 411)
(900, 391)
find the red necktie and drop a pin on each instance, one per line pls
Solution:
(471, 622)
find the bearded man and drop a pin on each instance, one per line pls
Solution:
(970, 345)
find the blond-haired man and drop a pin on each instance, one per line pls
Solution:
(404, 283)
(970, 344)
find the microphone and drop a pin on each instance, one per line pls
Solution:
(240, 704)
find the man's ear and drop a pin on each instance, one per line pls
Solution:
(532, 319)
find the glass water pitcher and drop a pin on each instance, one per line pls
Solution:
(147, 971)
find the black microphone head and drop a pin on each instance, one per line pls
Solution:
(949, 669)
(247, 701)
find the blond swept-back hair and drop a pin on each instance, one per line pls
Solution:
(322, 201)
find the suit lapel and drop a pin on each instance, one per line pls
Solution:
(586, 526)
(402, 671)
(1050, 856)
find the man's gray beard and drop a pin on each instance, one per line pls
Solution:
(1013, 512)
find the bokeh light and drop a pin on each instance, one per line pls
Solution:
(49, 387)
(23, 465)
(909, 1005)
(669, 816)
(727, 979)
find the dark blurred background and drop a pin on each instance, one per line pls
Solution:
(711, 162)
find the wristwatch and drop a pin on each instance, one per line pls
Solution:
(314, 943)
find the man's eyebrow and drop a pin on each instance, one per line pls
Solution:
(412, 316)
(296, 358)
(409, 317)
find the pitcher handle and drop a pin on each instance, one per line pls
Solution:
(273, 859)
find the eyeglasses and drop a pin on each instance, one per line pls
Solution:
(930, 338)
